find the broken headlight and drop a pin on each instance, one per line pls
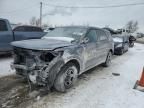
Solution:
(49, 56)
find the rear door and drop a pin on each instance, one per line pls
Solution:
(102, 45)
(6, 36)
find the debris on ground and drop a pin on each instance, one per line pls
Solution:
(116, 74)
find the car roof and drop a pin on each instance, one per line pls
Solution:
(27, 26)
(2, 19)
(87, 27)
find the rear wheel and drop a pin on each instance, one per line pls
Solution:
(108, 59)
(66, 77)
(121, 51)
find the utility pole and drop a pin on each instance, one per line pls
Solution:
(40, 14)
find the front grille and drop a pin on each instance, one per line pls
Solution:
(22, 56)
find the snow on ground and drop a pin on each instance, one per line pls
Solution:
(98, 88)
(5, 66)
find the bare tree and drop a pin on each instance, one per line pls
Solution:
(34, 21)
(37, 22)
(135, 25)
(132, 26)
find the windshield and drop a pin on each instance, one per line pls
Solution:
(118, 39)
(68, 32)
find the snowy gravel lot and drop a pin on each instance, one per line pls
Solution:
(5, 61)
(97, 88)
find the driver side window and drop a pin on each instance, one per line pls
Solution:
(3, 26)
(91, 35)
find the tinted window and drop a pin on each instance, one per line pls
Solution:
(3, 26)
(28, 29)
(33, 29)
(19, 29)
(37, 29)
(102, 35)
(92, 36)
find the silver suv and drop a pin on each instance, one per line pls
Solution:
(61, 55)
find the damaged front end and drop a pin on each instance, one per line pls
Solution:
(39, 66)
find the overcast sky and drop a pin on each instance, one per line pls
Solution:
(22, 10)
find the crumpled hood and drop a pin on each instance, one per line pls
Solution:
(41, 44)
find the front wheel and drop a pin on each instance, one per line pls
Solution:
(66, 77)
(108, 59)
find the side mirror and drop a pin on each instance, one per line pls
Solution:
(85, 40)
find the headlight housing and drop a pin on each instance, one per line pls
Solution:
(59, 51)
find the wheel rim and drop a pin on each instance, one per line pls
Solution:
(70, 76)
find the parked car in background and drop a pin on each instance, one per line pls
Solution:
(28, 32)
(122, 33)
(61, 55)
(121, 44)
(132, 40)
(49, 29)
(140, 35)
(26, 28)
(7, 35)
(134, 35)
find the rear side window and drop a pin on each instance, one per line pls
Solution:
(19, 29)
(37, 29)
(3, 26)
(28, 29)
(33, 29)
(92, 36)
(102, 35)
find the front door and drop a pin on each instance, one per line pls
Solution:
(90, 49)
(6, 36)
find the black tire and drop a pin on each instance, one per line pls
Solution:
(108, 59)
(66, 77)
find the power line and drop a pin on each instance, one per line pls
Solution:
(19, 10)
(106, 6)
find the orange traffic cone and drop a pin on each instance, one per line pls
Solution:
(141, 82)
(139, 85)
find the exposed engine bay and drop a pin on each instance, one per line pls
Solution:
(39, 66)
